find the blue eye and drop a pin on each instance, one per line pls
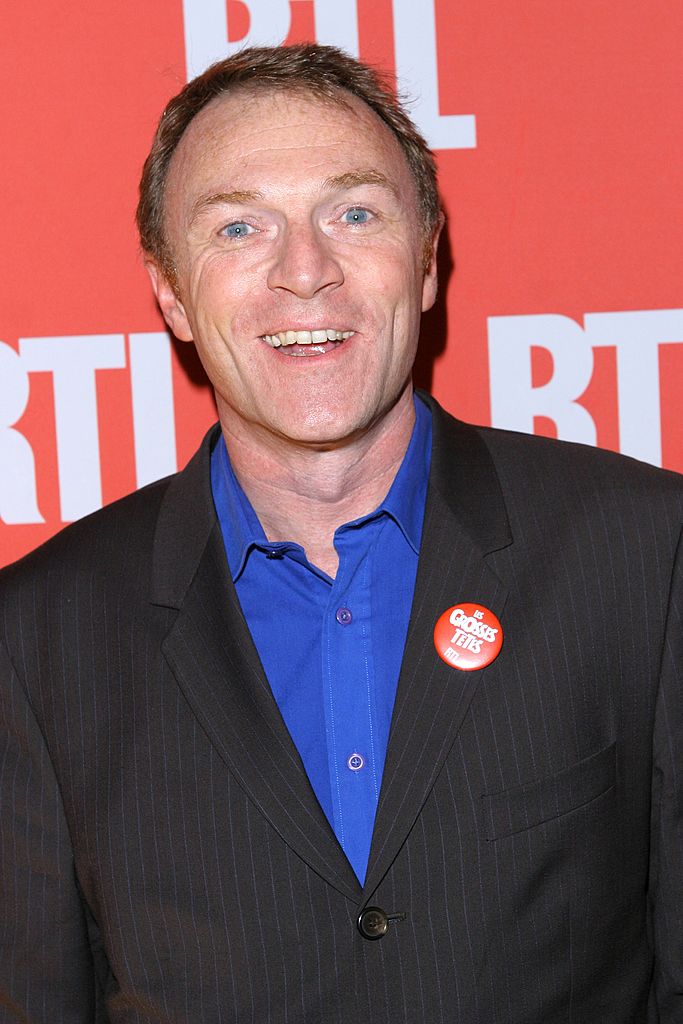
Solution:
(237, 230)
(356, 215)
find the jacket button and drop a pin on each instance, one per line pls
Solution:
(372, 923)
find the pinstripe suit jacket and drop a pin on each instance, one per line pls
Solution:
(164, 859)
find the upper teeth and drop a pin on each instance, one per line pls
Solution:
(305, 337)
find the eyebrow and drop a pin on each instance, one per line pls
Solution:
(236, 197)
(351, 179)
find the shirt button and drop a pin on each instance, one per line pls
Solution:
(355, 762)
(343, 616)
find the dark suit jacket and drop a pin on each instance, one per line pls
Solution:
(163, 857)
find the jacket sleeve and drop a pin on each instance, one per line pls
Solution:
(46, 971)
(666, 855)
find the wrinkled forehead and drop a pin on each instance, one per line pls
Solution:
(234, 128)
(254, 99)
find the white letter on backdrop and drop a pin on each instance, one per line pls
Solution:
(336, 24)
(151, 382)
(514, 401)
(206, 30)
(637, 336)
(417, 70)
(18, 498)
(73, 362)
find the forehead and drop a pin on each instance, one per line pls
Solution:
(279, 139)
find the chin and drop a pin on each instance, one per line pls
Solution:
(324, 419)
(323, 432)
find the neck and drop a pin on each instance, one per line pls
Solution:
(303, 494)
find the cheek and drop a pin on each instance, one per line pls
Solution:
(226, 277)
(391, 289)
(223, 299)
(401, 279)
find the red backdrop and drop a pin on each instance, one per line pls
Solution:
(559, 137)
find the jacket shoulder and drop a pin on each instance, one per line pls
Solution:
(563, 493)
(110, 537)
(119, 539)
(549, 491)
(568, 465)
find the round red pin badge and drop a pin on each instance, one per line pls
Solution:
(468, 636)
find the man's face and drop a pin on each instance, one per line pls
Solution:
(288, 217)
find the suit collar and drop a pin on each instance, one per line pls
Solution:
(186, 521)
(463, 473)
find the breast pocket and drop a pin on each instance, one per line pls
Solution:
(515, 810)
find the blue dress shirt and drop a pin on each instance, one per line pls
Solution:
(332, 648)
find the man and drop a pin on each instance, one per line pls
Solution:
(244, 778)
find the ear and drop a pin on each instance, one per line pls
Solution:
(169, 302)
(429, 281)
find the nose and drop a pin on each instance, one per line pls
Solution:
(305, 264)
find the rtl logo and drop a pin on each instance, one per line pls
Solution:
(636, 337)
(73, 363)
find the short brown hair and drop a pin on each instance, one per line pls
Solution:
(323, 71)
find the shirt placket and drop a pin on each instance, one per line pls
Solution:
(348, 682)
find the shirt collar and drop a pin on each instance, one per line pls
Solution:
(405, 502)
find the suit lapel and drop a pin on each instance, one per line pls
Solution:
(465, 519)
(212, 656)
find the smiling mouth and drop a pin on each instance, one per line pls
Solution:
(307, 343)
